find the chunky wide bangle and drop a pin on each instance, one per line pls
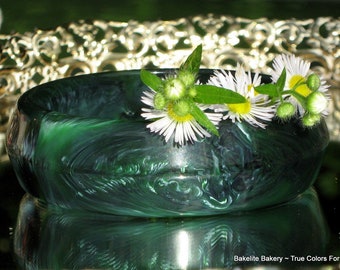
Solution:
(81, 143)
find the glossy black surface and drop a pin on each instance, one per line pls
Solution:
(54, 239)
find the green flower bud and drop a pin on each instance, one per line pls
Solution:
(187, 78)
(313, 82)
(159, 101)
(174, 89)
(181, 108)
(310, 119)
(192, 92)
(285, 110)
(316, 102)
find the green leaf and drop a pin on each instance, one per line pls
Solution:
(151, 80)
(210, 94)
(300, 98)
(267, 89)
(280, 84)
(202, 119)
(193, 62)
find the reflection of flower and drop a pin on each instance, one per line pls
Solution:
(168, 121)
(256, 110)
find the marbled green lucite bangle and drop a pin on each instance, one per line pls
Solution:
(81, 143)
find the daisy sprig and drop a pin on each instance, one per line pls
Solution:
(300, 92)
(182, 108)
(178, 103)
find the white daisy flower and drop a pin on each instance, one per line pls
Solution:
(297, 71)
(167, 123)
(256, 110)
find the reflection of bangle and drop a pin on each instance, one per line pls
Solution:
(217, 242)
(80, 142)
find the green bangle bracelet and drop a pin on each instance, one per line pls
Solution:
(81, 143)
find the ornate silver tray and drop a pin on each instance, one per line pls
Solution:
(32, 58)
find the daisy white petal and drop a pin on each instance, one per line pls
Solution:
(294, 66)
(169, 130)
(223, 79)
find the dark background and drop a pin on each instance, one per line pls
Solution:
(22, 16)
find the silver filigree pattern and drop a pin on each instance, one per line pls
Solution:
(82, 47)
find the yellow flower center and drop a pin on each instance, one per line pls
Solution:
(250, 87)
(178, 118)
(240, 108)
(301, 89)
